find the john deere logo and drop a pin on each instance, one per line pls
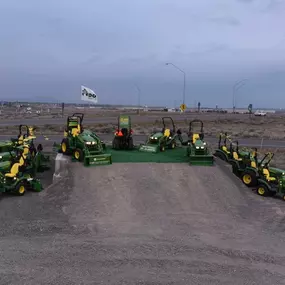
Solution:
(89, 95)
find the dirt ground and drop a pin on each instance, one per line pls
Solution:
(239, 125)
(143, 224)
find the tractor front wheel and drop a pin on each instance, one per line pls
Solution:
(78, 154)
(263, 190)
(20, 189)
(64, 146)
(172, 145)
(162, 148)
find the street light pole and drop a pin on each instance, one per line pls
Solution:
(184, 79)
(139, 95)
(237, 86)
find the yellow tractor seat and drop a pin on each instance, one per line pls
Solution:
(13, 171)
(235, 156)
(195, 137)
(253, 164)
(224, 148)
(267, 175)
(167, 133)
(75, 132)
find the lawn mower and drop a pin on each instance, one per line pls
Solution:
(197, 149)
(84, 145)
(123, 136)
(229, 153)
(159, 141)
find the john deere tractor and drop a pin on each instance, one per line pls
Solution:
(228, 149)
(159, 141)
(123, 136)
(197, 149)
(252, 169)
(84, 145)
(17, 180)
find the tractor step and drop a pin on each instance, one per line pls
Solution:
(202, 160)
(99, 159)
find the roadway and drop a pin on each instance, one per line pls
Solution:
(250, 142)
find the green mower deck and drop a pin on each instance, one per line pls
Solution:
(177, 155)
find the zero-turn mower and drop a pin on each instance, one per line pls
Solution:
(123, 136)
(84, 145)
(197, 149)
(159, 141)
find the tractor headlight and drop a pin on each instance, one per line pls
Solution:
(93, 142)
(204, 143)
(197, 147)
(88, 143)
(1, 156)
(170, 137)
(202, 147)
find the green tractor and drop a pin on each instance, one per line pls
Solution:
(17, 180)
(252, 169)
(159, 141)
(229, 153)
(123, 136)
(197, 149)
(271, 186)
(84, 145)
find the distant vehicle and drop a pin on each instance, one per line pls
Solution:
(260, 113)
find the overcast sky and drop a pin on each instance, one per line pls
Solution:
(49, 48)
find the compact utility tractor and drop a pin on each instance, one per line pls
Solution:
(17, 180)
(123, 136)
(252, 169)
(84, 145)
(159, 141)
(197, 149)
(229, 150)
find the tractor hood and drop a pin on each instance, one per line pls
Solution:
(156, 136)
(88, 136)
(276, 171)
(200, 144)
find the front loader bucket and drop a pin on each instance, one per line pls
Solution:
(202, 160)
(149, 148)
(99, 159)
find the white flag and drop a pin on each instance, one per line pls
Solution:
(88, 94)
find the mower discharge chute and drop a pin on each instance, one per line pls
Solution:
(159, 141)
(197, 149)
(123, 136)
(84, 145)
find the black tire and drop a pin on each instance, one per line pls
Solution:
(78, 154)
(249, 178)
(235, 168)
(172, 145)
(20, 189)
(162, 148)
(263, 190)
(116, 143)
(131, 143)
(221, 156)
(64, 146)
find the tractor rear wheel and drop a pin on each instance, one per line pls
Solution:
(20, 189)
(131, 143)
(64, 146)
(249, 178)
(78, 154)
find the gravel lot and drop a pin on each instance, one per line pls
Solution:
(143, 224)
